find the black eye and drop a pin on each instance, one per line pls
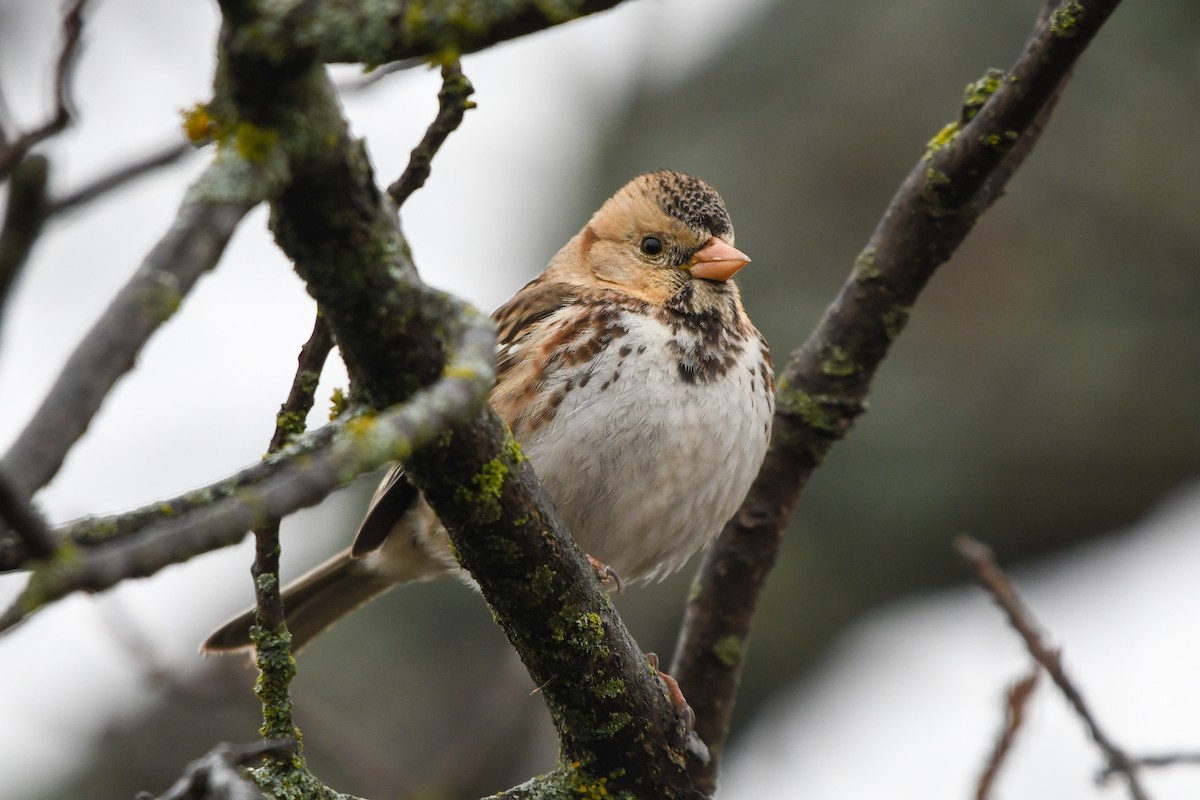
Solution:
(652, 245)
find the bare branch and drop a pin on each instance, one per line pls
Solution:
(1165, 760)
(190, 248)
(982, 564)
(23, 219)
(119, 177)
(72, 29)
(453, 102)
(1016, 699)
(823, 388)
(29, 527)
(297, 477)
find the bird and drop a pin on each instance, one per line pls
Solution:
(638, 388)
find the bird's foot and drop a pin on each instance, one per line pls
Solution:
(609, 578)
(674, 694)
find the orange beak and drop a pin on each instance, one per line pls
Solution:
(717, 261)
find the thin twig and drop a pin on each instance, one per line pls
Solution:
(272, 640)
(1163, 760)
(72, 29)
(984, 570)
(163, 156)
(1016, 698)
(824, 385)
(453, 102)
(297, 477)
(190, 248)
(29, 526)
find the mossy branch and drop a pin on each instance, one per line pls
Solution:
(824, 385)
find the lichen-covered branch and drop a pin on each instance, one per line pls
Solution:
(373, 33)
(206, 220)
(453, 103)
(824, 385)
(296, 478)
(617, 729)
(272, 640)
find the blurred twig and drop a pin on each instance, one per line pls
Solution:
(824, 385)
(1016, 699)
(163, 156)
(453, 102)
(1164, 760)
(72, 30)
(31, 528)
(297, 477)
(189, 249)
(215, 776)
(982, 565)
(23, 219)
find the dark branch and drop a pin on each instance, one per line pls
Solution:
(616, 727)
(453, 102)
(823, 388)
(72, 29)
(189, 249)
(1016, 699)
(215, 776)
(982, 565)
(29, 527)
(1165, 760)
(119, 177)
(403, 30)
(23, 219)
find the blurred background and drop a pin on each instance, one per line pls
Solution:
(1043, 398)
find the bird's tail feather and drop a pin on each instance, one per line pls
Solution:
(311, 604)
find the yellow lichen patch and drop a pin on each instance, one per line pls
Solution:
(198, 125)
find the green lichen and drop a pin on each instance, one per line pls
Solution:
(934, 192)
(836, 362)
(483, 495)
(583, 784)
(277, 667)
(728, 650)
(291, 422)
(586, 633)
(695, 589)
(337, 403)
(977, 93)
(1064, 22)
(864, 265)
(542, 581)
(894, 320)
(941, 140)
(811, 409)
(253, 143)
(607, 689)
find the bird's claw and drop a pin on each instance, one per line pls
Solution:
(609, 578)
(684, 711)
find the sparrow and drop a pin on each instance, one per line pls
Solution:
(637, 387)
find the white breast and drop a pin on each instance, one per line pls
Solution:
(646, 466)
